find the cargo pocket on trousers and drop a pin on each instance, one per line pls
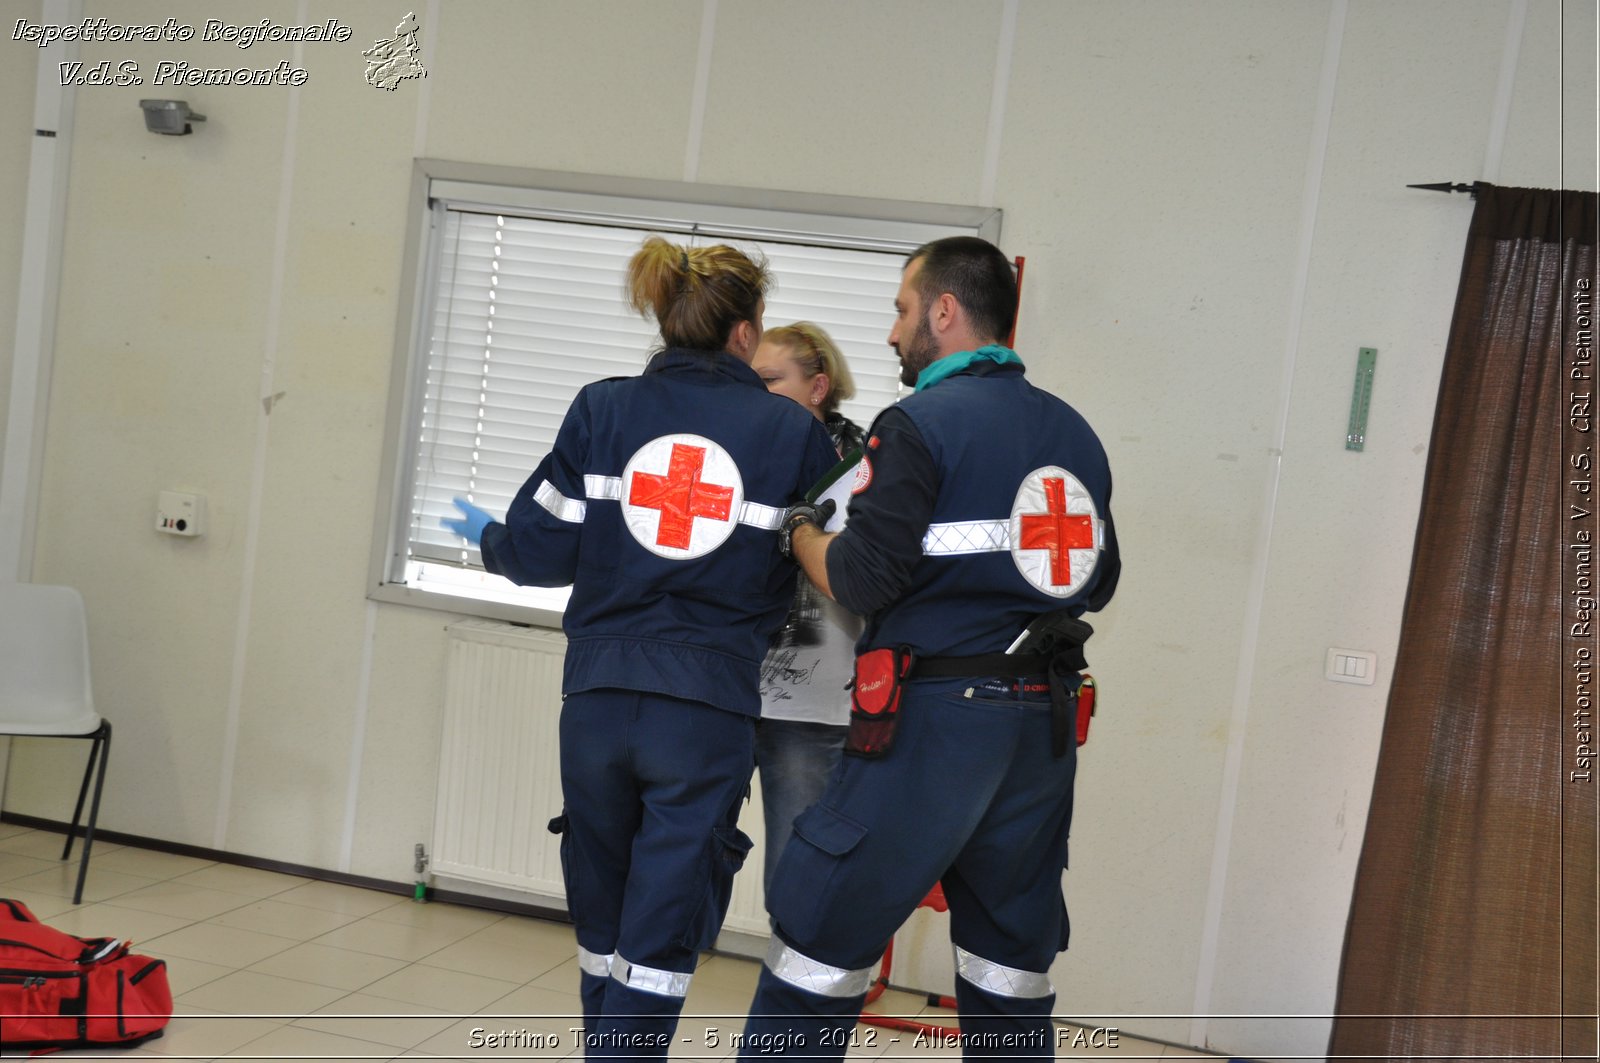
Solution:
(569, 877)
(725, 855)
(807, 877)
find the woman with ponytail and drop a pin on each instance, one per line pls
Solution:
(660, 504)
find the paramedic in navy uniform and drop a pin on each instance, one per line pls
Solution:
(987, 506)
(660, 503)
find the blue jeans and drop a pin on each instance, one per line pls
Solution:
(796, 759)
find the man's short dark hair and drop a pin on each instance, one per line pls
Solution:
(977, 274)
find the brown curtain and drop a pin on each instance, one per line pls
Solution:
(1472, 928)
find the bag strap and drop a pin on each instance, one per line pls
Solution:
(58, 943)
(10, 909)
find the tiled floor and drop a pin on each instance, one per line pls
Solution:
(275, 967)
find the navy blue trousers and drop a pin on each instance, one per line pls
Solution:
(970, 796)
(652, 787)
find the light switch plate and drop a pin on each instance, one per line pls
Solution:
(1351, 666)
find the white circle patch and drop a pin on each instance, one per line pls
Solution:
(863, 475)
(681, 496)
(1054, 532)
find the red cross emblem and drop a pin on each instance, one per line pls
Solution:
(1057, 531)
(681, 496)
(1055, 550)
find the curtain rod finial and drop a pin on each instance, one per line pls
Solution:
(1446, 186)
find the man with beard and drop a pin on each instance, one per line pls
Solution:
(981, 532)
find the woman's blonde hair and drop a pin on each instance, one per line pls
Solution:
(695, 294)
(814, 351)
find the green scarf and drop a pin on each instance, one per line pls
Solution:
(952, 364)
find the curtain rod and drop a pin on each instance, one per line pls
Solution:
(1446, 186)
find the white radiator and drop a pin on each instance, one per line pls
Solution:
(500, 769)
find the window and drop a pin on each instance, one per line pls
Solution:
(519, 303)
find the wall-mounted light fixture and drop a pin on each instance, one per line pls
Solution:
(170, 117)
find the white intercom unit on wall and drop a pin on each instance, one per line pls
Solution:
(183, 514)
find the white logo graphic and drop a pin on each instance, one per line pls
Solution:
(1055, 532)
(392, 61)
(681, 496)
(863, 476)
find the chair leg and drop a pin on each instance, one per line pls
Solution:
(104, 744)
(83, 790)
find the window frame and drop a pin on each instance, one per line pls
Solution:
(672, 208)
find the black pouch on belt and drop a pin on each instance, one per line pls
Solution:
(1060, 637)
(1063, 700)
(1070, 710)
(875, 700)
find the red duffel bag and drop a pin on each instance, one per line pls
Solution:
(60, 991)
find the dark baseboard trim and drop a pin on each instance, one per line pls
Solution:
(404, 889)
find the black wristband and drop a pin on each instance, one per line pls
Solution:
(802, 513)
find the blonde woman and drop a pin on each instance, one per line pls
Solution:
(805, 708)
(659, 504)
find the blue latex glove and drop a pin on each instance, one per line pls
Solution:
(471, 526)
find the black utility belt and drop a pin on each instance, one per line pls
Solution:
(882, 673)
(981, 666)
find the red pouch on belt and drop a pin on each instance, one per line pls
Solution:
(875, 700)
(1086, 692)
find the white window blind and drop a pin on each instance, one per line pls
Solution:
(518, 281)
(526, 311)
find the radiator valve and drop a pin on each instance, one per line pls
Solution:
(420, 892)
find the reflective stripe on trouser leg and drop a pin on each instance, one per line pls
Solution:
(640, 1013)
(803, 1007)
(651, 980)
(1001, 980)
(595, 963)
(1005, 1011)
(801, 971)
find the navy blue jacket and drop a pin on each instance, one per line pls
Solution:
(659, 504)
(989, 504)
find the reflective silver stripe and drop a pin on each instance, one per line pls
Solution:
(571, 510)
(1001, 980)
(594, 963)
(967, 537)
(982, 537)
(756, 515)
(602, 486)
(650, 980)
(802, 972)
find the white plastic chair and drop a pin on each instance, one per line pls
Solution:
(44, 687)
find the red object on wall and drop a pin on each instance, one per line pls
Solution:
(1011, 340)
